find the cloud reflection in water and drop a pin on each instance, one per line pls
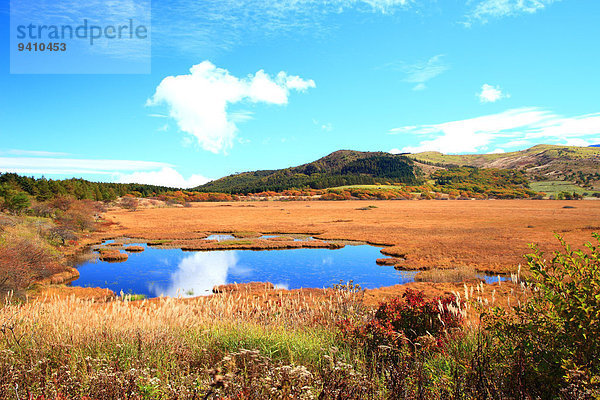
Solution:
(198, 273)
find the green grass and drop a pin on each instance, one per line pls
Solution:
(235, 242)
(158, 242)
(133, 297)
(245, 234)
(555, 187)
(455, 159)
(305, 345)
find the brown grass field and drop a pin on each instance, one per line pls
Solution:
(489, 235)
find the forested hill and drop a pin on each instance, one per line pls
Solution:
(44, 189)
(343, 167)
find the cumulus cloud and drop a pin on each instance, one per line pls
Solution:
(166, 176)
(486, 9)
(199, 101)
(491, 94)
(520, 125)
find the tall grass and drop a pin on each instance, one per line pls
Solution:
(68, 345)
(459, 274)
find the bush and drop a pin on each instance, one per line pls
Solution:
(79, 216)
(130, 203)
(405, 320)
(551, 344)
(24, 257)
(62, 203)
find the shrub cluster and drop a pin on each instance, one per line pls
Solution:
(29, 239)
(25, 256)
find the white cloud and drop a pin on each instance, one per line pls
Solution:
(207, 26)
(517, 126)
(420, 72)
(419, 87)
(46, 165)
(579, 142)
(327, 127)
(491, 94)
(486, 9)
(166, 176)
(199, 101)
(517, 143)
(120, 171)
(241, 116)
(33, 153)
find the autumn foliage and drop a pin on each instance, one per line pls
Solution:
(24, 258)
(404, 320)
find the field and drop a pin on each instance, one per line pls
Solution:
(555, 187)
(490, 235)
(449, 336)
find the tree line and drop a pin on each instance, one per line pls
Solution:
(43, 189)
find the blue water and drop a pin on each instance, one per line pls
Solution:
(220, 237)
(173, 272)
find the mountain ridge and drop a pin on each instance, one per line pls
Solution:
(342, 167)
(580, 165)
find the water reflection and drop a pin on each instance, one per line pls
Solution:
(173, 272)
(220, 237)
(198, 273)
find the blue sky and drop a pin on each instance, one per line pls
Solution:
(264, 84)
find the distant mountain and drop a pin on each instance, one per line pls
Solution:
(595, 145)
(343, 167)
(541, 162)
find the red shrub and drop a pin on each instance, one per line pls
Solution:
(405, 319)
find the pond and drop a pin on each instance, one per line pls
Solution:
(173, 272)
